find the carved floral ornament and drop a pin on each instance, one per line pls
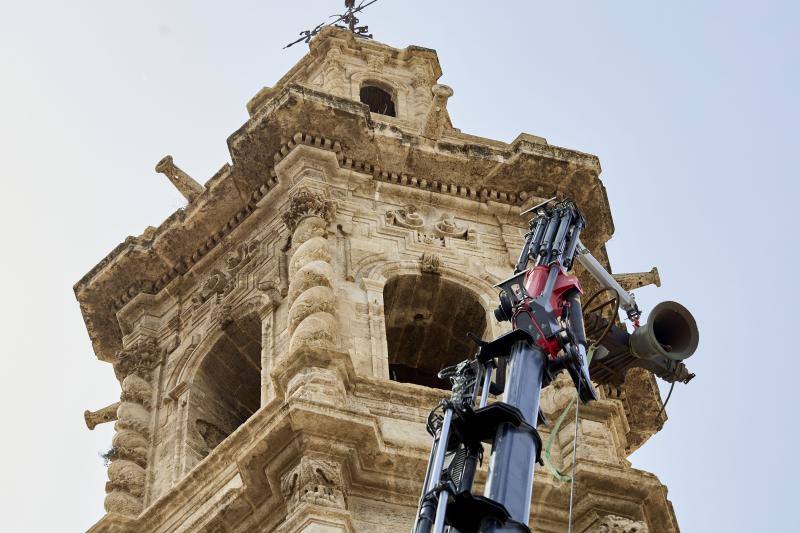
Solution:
(306, 203)
(314, 481)
(431, 226)
(375, 62)
(421, 76)
(430, 263)
(138, 358)
(220, 281)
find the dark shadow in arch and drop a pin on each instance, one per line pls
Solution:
(427, 321)
(226, 389)
(379, 100)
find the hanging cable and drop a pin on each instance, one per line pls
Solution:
(574, 456)
(664, 405)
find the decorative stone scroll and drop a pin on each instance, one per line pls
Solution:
(447, 227)
(406, 217)
(431, 226)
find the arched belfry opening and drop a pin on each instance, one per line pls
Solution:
(226, 389)
(378, 99)
(427, 321)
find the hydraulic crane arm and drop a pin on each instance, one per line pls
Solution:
(626, 299)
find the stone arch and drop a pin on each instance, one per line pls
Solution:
(380, 99)
(187, 364)
(224, 381)
(480, 297)
(427, 321)
(397, 88)
(382, 267)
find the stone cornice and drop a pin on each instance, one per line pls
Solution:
(458, 165)
(188, 225)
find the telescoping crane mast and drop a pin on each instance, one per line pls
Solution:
(542, 300)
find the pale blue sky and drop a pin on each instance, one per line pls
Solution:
(691, 107)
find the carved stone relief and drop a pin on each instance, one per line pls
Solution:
(305, 204)
(313, 481)
(431, 225)
(221, 316)
(333, 72)
(617, 524)
(217, 283)
(430, 263)
(222, 281)
(212, 435)
(139, 358)
(406, 217)
(375, 62)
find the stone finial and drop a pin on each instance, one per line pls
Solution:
(182, 181)
(101, 416)
(434, 124)
(638, 279)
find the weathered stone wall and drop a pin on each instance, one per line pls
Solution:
(255, 364)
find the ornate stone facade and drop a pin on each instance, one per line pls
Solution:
(276, 341)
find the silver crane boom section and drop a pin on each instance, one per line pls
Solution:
(626, 299)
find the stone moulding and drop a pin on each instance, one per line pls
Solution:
(183, 265)
(294, 425)
(186, 264)
(493, 171)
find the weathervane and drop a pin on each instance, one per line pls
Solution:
(347, 20)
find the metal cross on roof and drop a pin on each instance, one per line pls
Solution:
(346, 20)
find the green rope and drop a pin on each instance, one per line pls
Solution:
(558, 474)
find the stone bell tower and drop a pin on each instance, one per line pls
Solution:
(277, 340)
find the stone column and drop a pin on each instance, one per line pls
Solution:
(128, 455)
(377, 327)
(313, 488)
(311, 323)
(267, 356)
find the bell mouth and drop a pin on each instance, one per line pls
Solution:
(674, 329)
